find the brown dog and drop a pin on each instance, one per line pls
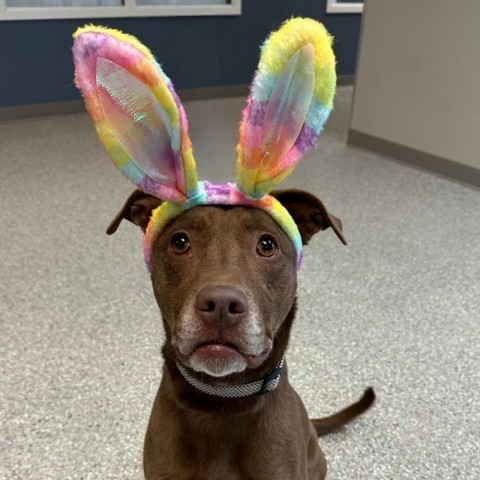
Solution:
(225, 281)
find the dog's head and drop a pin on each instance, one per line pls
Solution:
(225, 277)
(223, 257)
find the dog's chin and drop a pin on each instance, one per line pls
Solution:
(219, 360)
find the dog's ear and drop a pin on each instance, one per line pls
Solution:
(309, 213)
(137, 209)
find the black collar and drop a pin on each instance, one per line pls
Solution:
(267, 384)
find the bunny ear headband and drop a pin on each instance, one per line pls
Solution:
(142, 124)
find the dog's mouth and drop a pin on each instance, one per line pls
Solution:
(227, 350)
(218, 358)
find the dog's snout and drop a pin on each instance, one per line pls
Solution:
(221, 306)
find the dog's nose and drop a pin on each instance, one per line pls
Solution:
(221, 306)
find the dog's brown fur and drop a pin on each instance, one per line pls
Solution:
(196, 436)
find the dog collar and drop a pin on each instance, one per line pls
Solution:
(267, 384)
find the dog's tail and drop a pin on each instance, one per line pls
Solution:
(334, 422)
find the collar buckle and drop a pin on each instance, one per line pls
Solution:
(271, 379)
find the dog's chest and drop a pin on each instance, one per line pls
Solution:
(239, 449)
(241, 469)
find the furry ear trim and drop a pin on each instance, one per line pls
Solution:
(136, 111)
(290, 99)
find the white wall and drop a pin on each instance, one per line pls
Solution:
(418, 76)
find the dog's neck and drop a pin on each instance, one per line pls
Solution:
(266, 384)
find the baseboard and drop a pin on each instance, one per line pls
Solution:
(21, 112)
(208, 93)
(427, 161)
(345, 80)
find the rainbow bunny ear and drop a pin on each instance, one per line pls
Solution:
(290, 99)
(136, 111)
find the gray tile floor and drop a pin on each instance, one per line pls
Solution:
(399, 308)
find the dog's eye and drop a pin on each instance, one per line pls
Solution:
(266, 247)
(180, 243)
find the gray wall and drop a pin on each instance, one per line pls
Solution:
(36, 65)
(418, 77)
